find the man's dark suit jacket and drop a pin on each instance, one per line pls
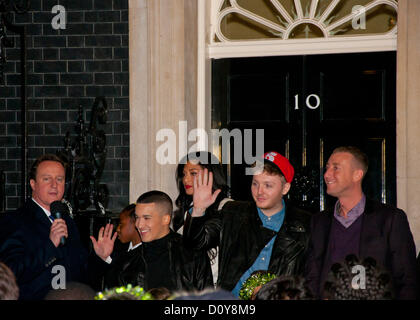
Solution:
(31, 255)
(385, 236)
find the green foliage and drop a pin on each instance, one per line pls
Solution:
(124, 293)
(255, 280)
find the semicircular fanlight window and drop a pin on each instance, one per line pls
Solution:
(241, 20)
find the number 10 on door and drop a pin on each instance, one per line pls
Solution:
(309, 101)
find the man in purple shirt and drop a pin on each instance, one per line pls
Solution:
(360, 226)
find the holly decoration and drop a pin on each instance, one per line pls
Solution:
(135, 293)
(255, 280)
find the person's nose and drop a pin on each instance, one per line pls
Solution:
(187, 180)
(54, 183)
(139, 223)
(327, 173)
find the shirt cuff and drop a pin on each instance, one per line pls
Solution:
(108, 260)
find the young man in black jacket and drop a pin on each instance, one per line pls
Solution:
(163, 260)
(265, 234)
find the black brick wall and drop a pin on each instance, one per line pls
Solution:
(67, 68)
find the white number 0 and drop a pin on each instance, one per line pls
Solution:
(308, 102)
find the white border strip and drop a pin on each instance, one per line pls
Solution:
(263, 48)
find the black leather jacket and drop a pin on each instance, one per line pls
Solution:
(189, 269)
(239, 232)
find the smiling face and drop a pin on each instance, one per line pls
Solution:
(151, 221)
(268, 191)
(49, 183)
(342, 176)
(190, 171)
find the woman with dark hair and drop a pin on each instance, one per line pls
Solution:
(200, 164)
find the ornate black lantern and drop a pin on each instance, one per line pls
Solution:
(86, 157)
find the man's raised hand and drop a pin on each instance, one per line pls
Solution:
(105, 244)
(203, 196)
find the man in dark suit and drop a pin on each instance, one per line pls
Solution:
(360, 226)
(32, 248)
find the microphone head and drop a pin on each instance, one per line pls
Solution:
(57, 209)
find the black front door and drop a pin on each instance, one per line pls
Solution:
(307, 106)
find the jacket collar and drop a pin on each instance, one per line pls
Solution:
(35, 212)
(369, 208)
(370, 229)
(289, 218)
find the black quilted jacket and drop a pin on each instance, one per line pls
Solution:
(241, 236)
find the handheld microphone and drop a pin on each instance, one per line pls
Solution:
(58, 209)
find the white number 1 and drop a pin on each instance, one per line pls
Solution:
(308, 102)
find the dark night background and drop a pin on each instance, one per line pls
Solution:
(65, 69)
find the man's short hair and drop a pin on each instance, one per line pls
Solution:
(73, 291)
(130, 211)
(44, 157)
(358, 154)
(9, 289)
(158, 197)
(160, 293)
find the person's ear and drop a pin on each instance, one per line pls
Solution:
(358, 174)
(286, 188)
(167, 219)
(32, 183)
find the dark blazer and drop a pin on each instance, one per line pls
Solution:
(385, 236)
(31, 255)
